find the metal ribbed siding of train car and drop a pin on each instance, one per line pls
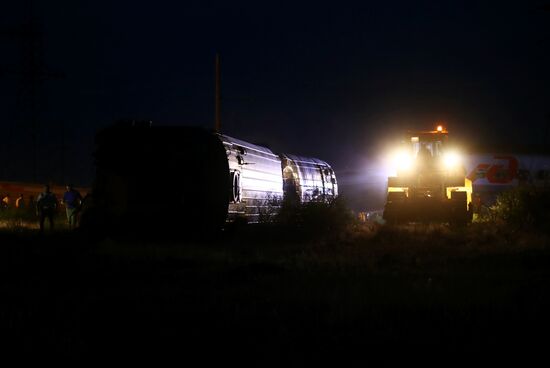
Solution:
(311, 178)
(255, 178)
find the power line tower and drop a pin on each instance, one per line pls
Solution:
(32, 73)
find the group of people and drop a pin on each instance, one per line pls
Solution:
(6, 202)
(46, 205)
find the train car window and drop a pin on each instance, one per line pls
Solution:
(333, 180)
(235, 189)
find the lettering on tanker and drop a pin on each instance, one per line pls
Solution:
(503, 172)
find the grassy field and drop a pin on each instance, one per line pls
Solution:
(272, 294)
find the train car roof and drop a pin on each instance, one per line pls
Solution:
(305, 160)
(227, 139)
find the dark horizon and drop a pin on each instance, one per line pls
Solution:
(315, 80)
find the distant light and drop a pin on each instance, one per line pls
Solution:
(414, 139)
(440, 128)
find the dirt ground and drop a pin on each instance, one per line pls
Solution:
(266, 296)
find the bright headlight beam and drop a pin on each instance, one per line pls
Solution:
(451, 160)
(402, 160)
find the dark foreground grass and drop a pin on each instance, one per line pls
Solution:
(268, 295)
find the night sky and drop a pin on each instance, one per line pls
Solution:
(333, 80)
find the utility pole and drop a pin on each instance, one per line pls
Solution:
(218, 123)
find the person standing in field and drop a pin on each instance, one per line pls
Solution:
(46, 205)
(6, 201)
(72, 201)
(31, 205)
(20, 202)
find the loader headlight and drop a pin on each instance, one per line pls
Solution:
(402, 161)
(451, 160)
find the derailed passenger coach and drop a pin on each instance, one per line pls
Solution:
(311, 179)
(192, 178)
(255, 180)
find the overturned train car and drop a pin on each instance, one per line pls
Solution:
(190, 178)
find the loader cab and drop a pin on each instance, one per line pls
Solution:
(427, 147)
(428, 144)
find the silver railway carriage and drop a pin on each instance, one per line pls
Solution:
(310, 178)
(192, 179)
(255, 178)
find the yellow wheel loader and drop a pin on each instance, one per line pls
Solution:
(429, 182)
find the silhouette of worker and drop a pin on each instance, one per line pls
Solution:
(46, 205)
(31, 206)
(72, 201)
(424, 153)
(424, 158)
(6, 201)
(477, 203)
(20, 202)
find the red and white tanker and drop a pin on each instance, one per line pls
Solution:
(491, 174)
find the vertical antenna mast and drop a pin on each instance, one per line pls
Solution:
(218, 123)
